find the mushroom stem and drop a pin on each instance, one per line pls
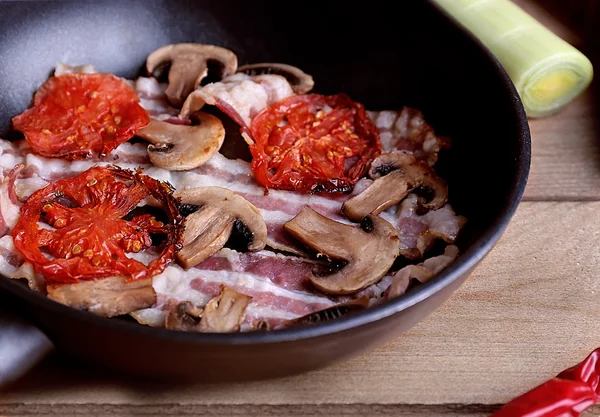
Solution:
(367, 253)
(204, 235)
(181, 79)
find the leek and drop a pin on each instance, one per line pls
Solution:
(547, 72)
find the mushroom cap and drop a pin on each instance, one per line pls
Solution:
(368, 252)
(208, 229)
(183, 147)
(300, 81)
(189, 65)
(397, 174)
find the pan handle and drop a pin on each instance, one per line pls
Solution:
(22, 344)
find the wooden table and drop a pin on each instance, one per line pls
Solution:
(530, 310)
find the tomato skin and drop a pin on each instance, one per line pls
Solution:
(91, 238)
(76, 116)
(306, 142)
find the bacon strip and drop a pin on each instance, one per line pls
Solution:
(422, 272)
(13, 265)
(419, 232)
(279, 286)
(396, 283)
(153, 99)
(9, 202)
(407, 130)
(288, 272)
(240, 96)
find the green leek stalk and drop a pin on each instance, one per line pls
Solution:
(547, 72)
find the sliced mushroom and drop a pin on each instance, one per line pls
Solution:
(331, 313)
(215, 212)
(189, 64)
(225, 313)
(397, 174)
(300, 81)
(182, 147)
(184, 316)
(107, 297)
(366, 253)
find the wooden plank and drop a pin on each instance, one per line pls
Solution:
(362, 410)
(566, 147)
(529, 311)
(565, 161)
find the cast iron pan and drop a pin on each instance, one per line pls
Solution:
(383, 56)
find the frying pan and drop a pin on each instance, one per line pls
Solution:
(383, 57)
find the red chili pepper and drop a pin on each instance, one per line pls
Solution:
(566, 395)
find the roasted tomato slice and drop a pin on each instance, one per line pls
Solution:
(75, 116)
(313, 143)
(82, 228)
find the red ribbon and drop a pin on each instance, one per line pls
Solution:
(566, 395)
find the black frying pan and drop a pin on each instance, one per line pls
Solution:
(383, 56)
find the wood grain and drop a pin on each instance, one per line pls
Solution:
(565, 162)
(528, 312)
